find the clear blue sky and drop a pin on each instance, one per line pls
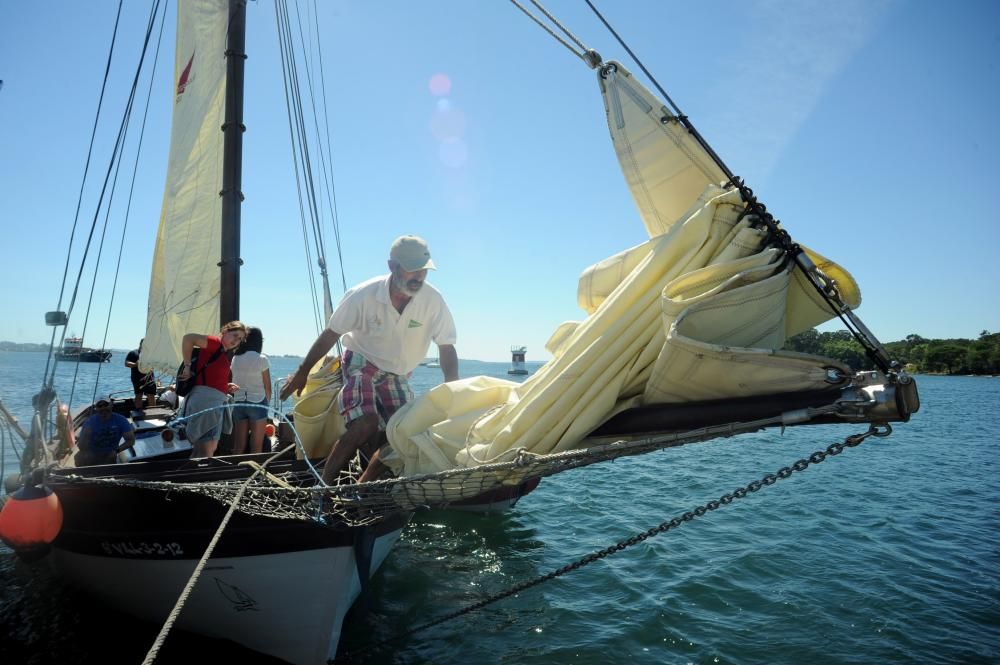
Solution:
(869, 128)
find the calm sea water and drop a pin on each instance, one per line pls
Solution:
(888, 553)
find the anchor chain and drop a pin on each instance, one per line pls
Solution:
(739, 493)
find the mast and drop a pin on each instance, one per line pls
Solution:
(232, 162)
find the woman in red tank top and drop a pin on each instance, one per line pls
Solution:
(212, 386)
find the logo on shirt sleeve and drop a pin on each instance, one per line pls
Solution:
(414, 324)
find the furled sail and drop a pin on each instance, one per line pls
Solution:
(184, 287)
(664, 165)
(698, 312)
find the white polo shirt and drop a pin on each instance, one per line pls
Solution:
(393, 342)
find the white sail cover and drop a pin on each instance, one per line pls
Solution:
(698, 312)
(184, 286)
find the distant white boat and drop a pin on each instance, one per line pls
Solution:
(517, 360)
(431, 362)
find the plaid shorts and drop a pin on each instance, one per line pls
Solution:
(369, 390)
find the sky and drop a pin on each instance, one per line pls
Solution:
(868, 127)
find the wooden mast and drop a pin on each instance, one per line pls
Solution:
(232, 175)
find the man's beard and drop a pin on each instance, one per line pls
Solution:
(409, 288)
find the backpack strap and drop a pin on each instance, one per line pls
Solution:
(201, 372)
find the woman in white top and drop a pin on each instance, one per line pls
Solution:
(252, 373)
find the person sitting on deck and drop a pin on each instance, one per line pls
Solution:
(387, 324)
(143, 383)
(101, 433)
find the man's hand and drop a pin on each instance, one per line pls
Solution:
(129, 441)
(296, 382)
(232, 388)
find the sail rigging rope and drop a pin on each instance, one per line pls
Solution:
(329, 150)
(111, 175)
(301, 127)
(292, 106)
(726, 499)
(79, 200)
(128, 205)
(587, 55)
(301, 155)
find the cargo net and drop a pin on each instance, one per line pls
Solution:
(285, 489)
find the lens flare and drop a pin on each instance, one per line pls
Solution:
(439, 85)
(447, 124)
(453, 153)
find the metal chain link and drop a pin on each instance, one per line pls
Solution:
(726, 499)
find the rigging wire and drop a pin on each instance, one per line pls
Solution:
(321, 244)
(110, 175)
(128, 206)
(326, 121)
(287, 61)
(79, 201)
(582, 54)
(310, 200)
(680, 116)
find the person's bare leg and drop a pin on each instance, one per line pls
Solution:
(257, 435)
(374, 469)
(138, 401)
(358, 432)
(240, 430)
(150, 401)
(204, 449)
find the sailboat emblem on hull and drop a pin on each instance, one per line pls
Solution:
(240, 599)
(184, 77)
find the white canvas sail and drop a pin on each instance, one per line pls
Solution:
(665, 168)
(184, 286)
(698, 312)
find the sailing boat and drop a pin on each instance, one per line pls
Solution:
(150, 520)
(275, 585)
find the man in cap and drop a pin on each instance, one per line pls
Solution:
(386, 325)
(104, 435)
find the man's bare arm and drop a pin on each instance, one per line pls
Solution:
(448, 357)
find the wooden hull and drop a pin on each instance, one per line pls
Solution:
(276, 586)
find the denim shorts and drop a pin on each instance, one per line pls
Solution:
(252, 411)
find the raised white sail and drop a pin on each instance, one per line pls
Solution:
(184, 285)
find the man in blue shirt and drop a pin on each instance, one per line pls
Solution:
(101, 434)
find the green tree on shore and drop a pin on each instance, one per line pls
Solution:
(937, 356)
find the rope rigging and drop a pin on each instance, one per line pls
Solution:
(106, 195)
(311, 203)
(83, 181)
(128, 206)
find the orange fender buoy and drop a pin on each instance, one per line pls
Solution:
(30, 520)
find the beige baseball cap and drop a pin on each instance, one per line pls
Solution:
(411, 253)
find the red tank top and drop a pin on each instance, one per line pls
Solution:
(217, 373)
